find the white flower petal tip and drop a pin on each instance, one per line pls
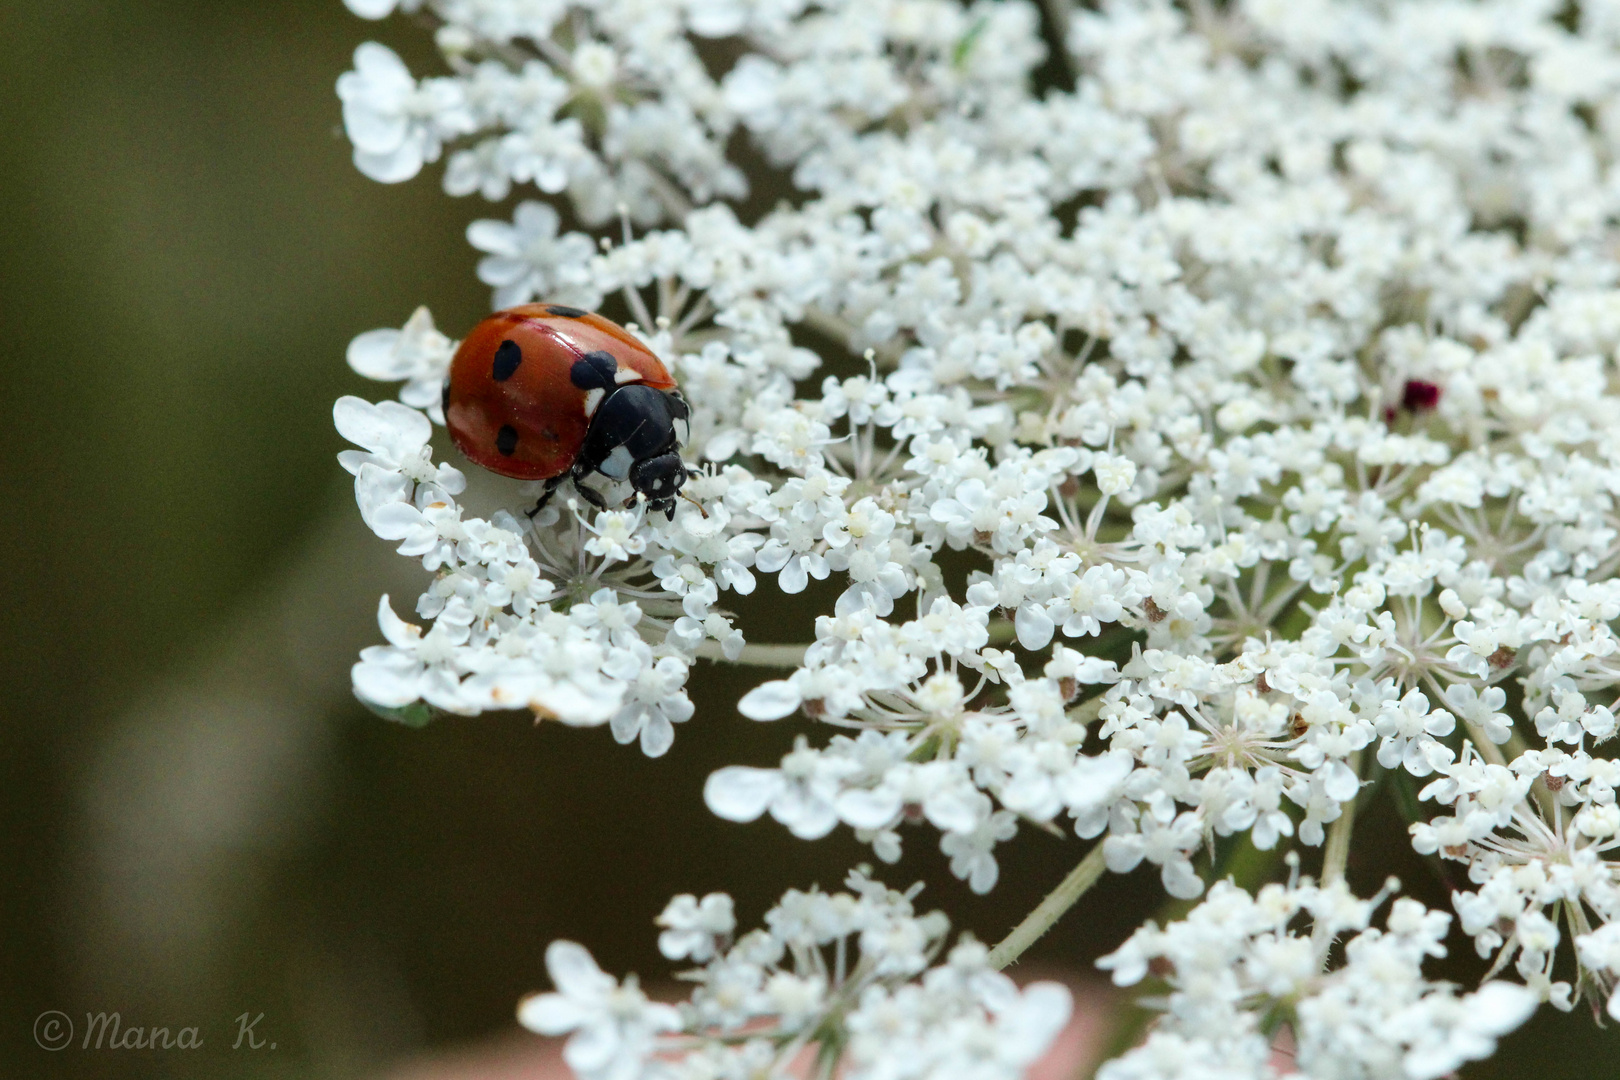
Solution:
(547, 1014)
(573, 970)
(770, 701)
(1499, 1007)
(371, 9)
(1031, 1023)
(741, 793)
(411, 713)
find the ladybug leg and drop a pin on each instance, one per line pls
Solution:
(590, 495)
(545, 496)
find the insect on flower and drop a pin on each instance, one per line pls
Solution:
(548, 392)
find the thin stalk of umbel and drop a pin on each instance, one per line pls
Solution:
(791, 656)
(1337, 851)
(1050, 910)
(770, 656)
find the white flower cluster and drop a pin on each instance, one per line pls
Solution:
(1234, 960)
(845, 980)
(499, 640)
(623, 113)
(1227, 430)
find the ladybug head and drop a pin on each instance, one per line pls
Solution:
(659, 479)
(636, 436)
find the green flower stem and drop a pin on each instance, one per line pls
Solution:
(1337, 851)
(1489, 750)
(791, 656)
(768, 656)
(1050, 910)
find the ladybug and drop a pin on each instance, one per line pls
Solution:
(548, 392)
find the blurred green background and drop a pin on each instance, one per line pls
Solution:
(199, 822)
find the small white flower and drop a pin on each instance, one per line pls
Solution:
(614, 536)
(395, 439)
(413, 666)
(1408, 727)
(693, 929)
(800, 794)
(971, 853)
(1115, 473)
(528, 260)
(395, 123)
(416, 353)
(606, 614)
(1481, 709)
(611, 1027)
(655, 700)
(595, 64)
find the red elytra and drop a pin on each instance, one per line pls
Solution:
(512, 404)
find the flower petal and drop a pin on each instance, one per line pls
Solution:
(770, 701)
(740, 792)
(550, 1014)
(575, 973)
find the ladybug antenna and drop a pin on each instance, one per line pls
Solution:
(694, 502)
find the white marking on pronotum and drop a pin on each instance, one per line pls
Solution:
(626, 374)
(593, 398)
(617, 464)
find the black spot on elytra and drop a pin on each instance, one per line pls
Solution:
(507, 358)
(506, 440)
(566, 312)
(594, 371)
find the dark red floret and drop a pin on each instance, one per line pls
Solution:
(1419, 396)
